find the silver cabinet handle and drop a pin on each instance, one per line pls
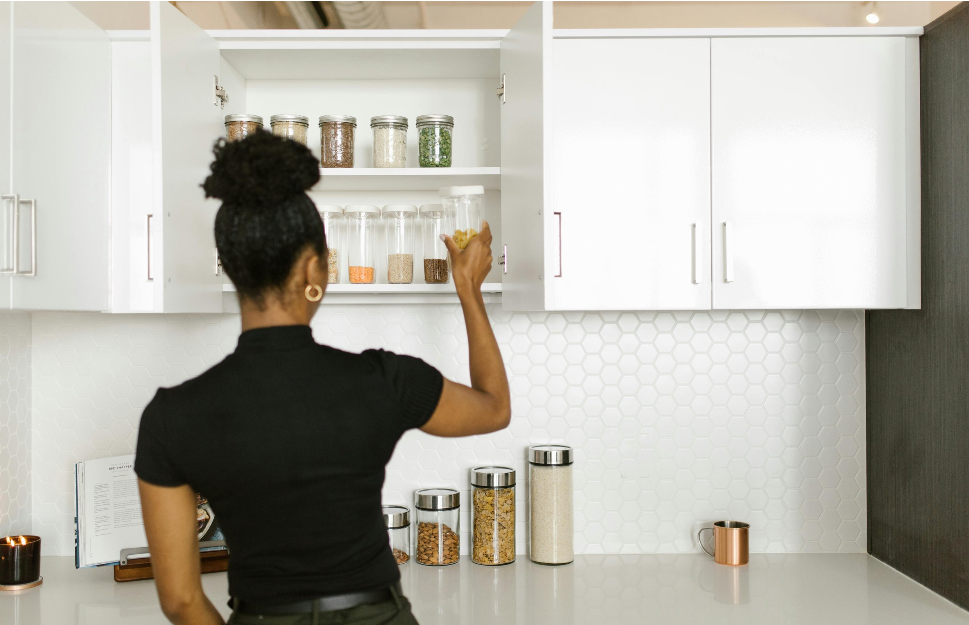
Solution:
(559, 274)
(697, 257)
(727, 253)
(148, 238)
(33, 241)
(11, 251)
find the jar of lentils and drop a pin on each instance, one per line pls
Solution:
(361, 223)
(493, 515)
(389, 140)
(241, 125)
(438, 514)
(397, 520)
(434, 140)
(290, 126)
(333, 227)
(336, 140)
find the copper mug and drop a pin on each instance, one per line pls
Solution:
(731, 543)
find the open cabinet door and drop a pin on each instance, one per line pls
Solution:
(524, 169)
(6, 207)
(186, 122)
(61, 157)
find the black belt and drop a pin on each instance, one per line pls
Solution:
(330, 603)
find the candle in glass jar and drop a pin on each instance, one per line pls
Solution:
(19, 560)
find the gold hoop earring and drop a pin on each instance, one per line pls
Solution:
(319, 292)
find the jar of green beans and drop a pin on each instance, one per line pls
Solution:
(435, 134)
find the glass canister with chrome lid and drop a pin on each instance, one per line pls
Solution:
(389, 140)
(397, 520)
(336, 140)
(241, 125)
(493, 515)
(290, 126)
(434, 135)
(550, 504)
(438, 531)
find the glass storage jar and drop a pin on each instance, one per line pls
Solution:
(389, 140)
(493, 515)
(290, 126)
(550, 503)
(361, 222)
(397, 520)
(438, 515)
(336, 140)
(241, 125)
(463, 208)
(434, 133)
(433, 225)
(333, 226)
(401, 228)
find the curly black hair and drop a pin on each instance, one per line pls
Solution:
(266, 219)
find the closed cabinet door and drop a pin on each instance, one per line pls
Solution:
(809, 172)
(630, 152)
(61, 158)
(9, 202)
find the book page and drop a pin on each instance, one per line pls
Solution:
(111, 510)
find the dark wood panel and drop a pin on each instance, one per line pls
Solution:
(918, 361)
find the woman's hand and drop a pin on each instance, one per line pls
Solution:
(471, 265)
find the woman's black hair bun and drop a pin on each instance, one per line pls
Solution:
(261, 170)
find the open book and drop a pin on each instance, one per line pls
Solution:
(107, 511)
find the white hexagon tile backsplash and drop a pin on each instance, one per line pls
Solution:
(677, 418)
(15, 498)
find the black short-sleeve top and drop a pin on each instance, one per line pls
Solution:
(288, 440)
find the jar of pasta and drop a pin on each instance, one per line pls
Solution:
(333, 226)
(389, 140)
(336, 140)
(361, 222)
(493, 515)
(463, 208)
(290, 126)
(241, 125)
(438, 515)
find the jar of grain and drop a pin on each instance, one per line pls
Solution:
(397, 520)
(389, 140)
(434, 133)
(361, 223)
(493, 515)
(241, 125)
(438, 511)
(550, 503)
(336, 140)
(290, 126)
(401, 226)
(463, 208)
(334, 227)
(433, 225)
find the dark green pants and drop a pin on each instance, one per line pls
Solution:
(396, 612)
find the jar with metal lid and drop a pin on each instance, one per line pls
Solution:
(463, 207)
(433, 225)
(401, 226)
(397, 520)
(493, 515)
(438, 531)
(550, 503)
(333, 227)
(241, 125)
(336, 140)
(361, 222)
(290, 126)
(389, 140)
(435, 133)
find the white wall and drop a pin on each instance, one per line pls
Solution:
(677, 418)
(15, 496)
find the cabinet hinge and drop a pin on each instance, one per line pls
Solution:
(504, 259)
(218, 265)
(501, 89)
(221, 97)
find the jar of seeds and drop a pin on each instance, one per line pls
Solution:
(241, 125)
(401, 225)
(389, 140)
(336, 140)
(438, 514)
(361, 221)
(550, 503)
(434, 140)
(397, 520)
(433, 225)
(333, 226)
(290, 126)
(493, 515)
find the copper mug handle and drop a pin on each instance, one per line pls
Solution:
(700, 542)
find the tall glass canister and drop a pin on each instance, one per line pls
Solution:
(400, 221)
(550, 504)
(397, 520)
(333, 226)
(493, 515)
(463, 207)
(433, 225)
(361, 220)
(438, 531)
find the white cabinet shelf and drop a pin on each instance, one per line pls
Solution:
(384, 294)
(406, 179)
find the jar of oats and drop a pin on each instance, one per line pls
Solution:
(401, 229)
(333, 226)
(241, 125)
(389, 140)
(493, 515)
(336, 140)
(550, 503)
(438, 512)
(397, 520)
(290, 126)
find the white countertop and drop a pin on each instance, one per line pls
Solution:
(832, 589)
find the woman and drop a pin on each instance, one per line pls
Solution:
(288, 439)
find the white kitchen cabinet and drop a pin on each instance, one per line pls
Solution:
(7, 204)
(815, 172)
(56, 100)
